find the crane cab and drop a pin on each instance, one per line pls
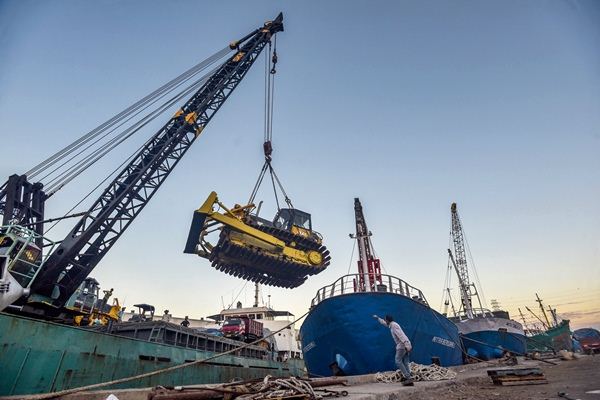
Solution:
(20, 257)
(20, 262)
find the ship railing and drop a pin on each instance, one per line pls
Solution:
(353, 283)
(477, 313)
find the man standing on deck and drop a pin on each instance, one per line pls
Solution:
(403, 347)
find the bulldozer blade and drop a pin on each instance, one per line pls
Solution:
(196, 228)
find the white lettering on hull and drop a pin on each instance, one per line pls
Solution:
(443, 342)
(309, 347)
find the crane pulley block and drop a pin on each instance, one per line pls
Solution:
(282, 252)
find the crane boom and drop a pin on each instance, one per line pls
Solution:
(120, 203)
(459, 247)
(464, 289)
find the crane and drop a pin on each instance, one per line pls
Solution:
(50, 279)
(369, 267)
(459, 262)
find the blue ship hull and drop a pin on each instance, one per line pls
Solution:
(495, 344)
(341, 330)
(487, 338)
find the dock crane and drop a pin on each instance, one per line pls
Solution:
(458, 260)
(40, 275)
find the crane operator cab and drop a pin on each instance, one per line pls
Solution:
(20, 262)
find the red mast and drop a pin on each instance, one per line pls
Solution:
(369, 269)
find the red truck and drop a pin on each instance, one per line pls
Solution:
(242, 328)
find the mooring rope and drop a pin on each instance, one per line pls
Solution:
(280, 388)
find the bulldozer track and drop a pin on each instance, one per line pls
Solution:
(253, 264)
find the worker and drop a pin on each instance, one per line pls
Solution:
(403, 348)
(166, 316)
(185, 322)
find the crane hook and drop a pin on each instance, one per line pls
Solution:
(274, 61)
(268, 149)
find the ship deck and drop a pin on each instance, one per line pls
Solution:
(180, 336)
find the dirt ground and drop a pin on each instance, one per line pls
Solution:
(575, 377)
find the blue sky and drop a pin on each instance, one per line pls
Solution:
(409, 105)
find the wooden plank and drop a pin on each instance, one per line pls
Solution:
(514, 371)
(518, 378)
(528, 382)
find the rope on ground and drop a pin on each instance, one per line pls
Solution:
(419, 373)
(279, 388)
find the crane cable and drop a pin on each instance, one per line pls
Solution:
(90, 159)
(134, 107)
(75, 170)
(270, 71)
(58, 163)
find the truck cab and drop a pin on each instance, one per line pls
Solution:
(242, 328)
(234, 328)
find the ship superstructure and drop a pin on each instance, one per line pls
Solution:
(287, 344)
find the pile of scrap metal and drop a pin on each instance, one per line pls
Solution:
(268, 388)
(282, 252)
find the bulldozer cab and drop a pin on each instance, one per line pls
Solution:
(293, 220)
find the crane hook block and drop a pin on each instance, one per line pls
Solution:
(274, 61)
(281, 253)
(268, 149)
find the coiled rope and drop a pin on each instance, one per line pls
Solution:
(280, 388)
(419, 373)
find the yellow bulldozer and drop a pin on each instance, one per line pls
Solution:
(282, 252)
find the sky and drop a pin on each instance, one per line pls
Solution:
(408, 105)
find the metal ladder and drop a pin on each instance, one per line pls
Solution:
(155, 334)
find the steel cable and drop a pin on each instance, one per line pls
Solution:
(75, 170)
(103, 136)
(142, 103)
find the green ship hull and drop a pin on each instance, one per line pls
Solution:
(554, 339)
(40, 356)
